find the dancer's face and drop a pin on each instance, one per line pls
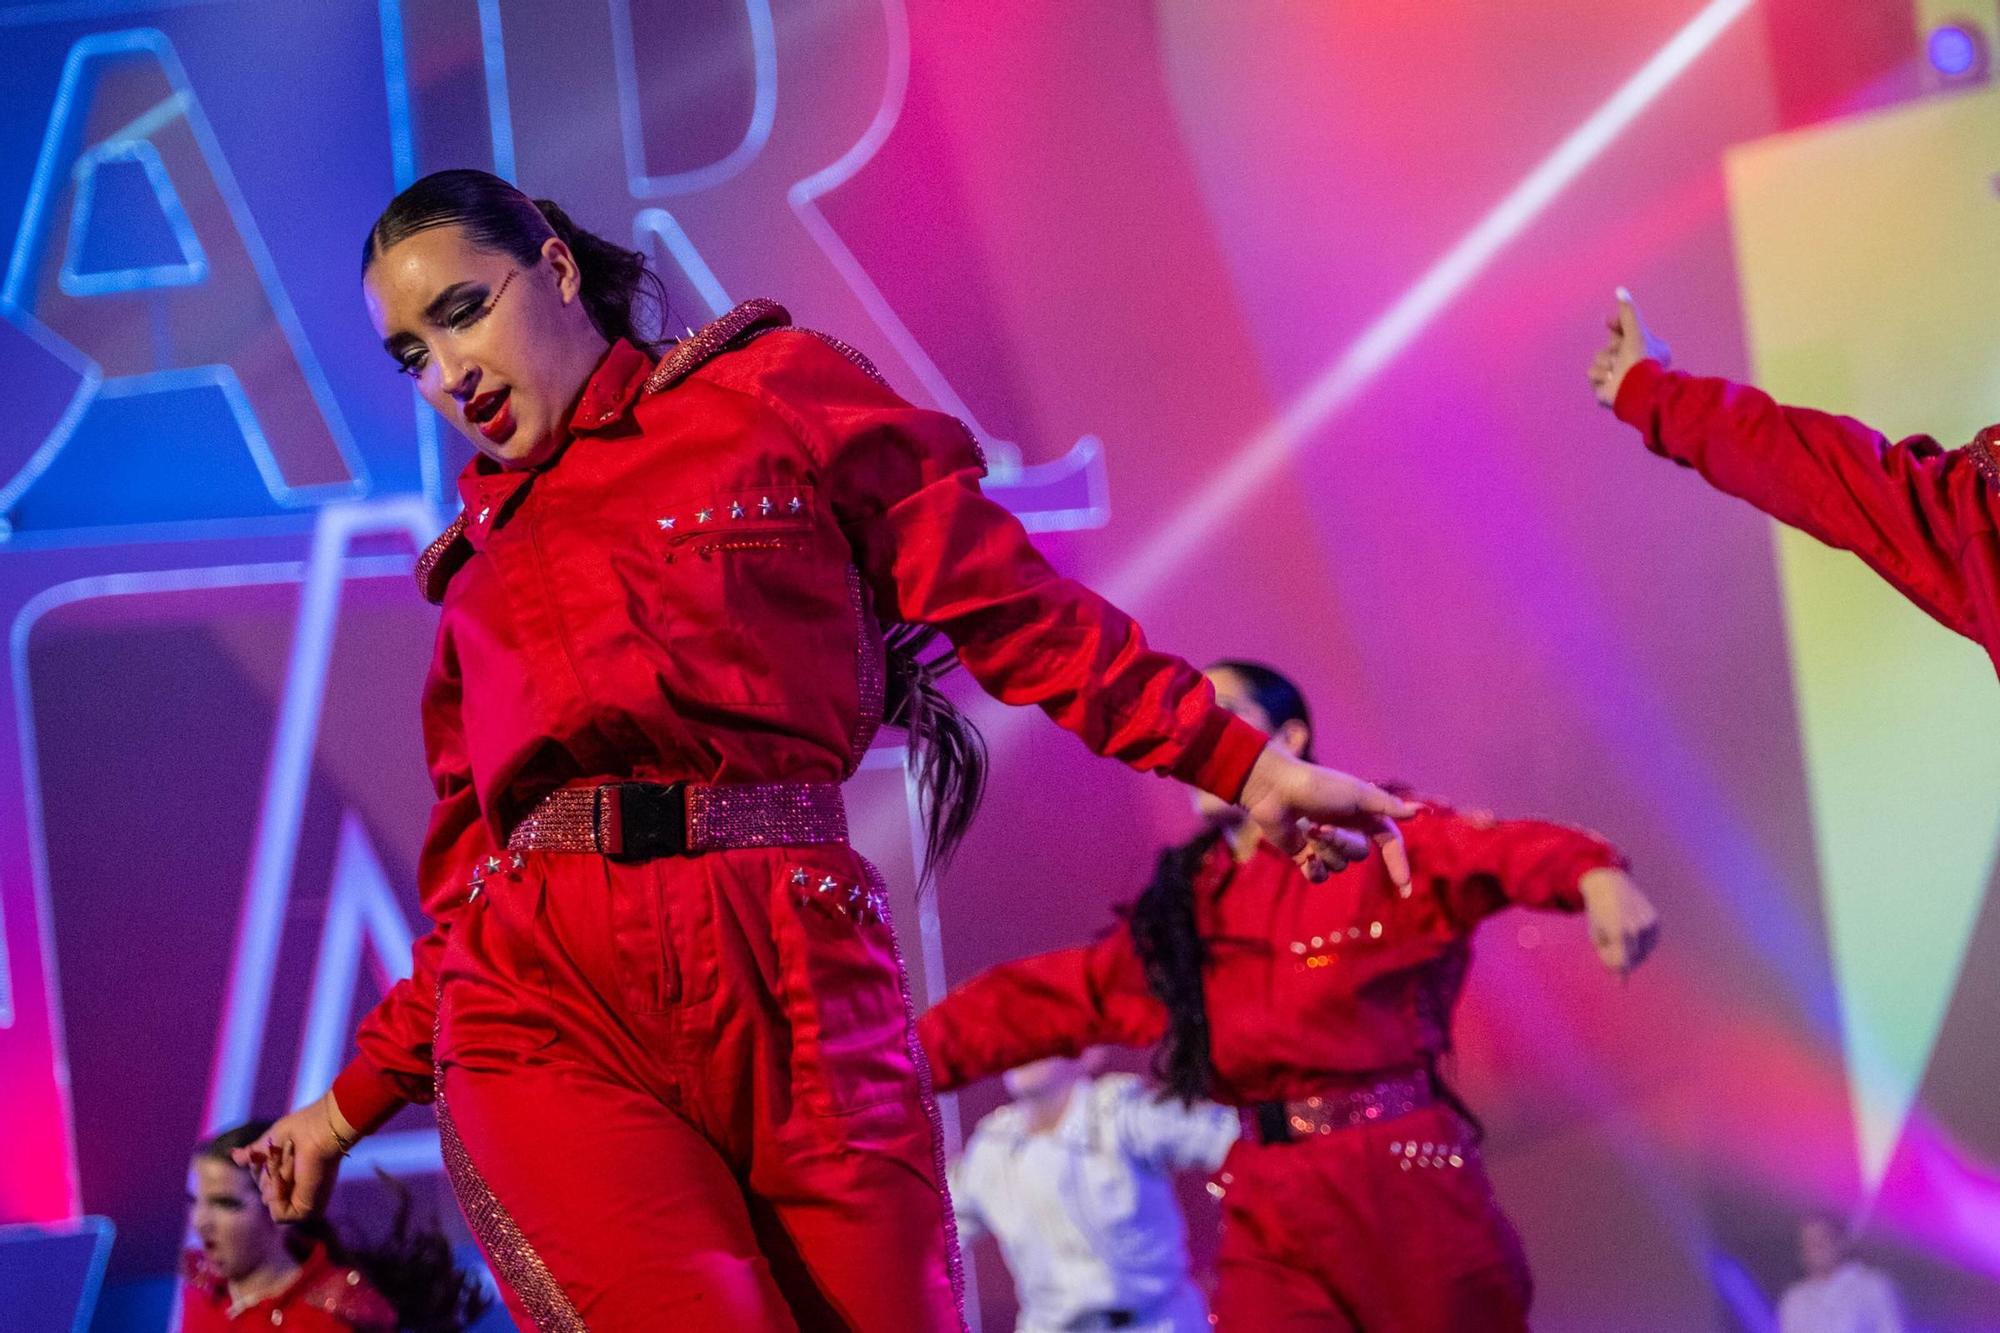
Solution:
(1234, 693)
(1819, 1246)
(501, 349)
(236, 1233)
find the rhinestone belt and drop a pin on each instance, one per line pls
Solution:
(641, 820)
(1282, 1122)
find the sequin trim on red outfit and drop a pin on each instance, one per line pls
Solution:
(714, 338)
(1983, 458)
(514, 1259)
(440, 561)
(954, 1259)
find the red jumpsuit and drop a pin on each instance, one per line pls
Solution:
(671, 1094)
(1923, 517)
(1323, 991)
(323, 1298)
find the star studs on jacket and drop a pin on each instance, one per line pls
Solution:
(859, 903)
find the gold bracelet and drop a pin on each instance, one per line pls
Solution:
(341, 1142)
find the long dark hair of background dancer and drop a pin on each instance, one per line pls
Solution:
(1162, 920)
(1164, 934)
(626, 300)
(411, 1266)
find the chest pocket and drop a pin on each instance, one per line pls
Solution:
(747, 592)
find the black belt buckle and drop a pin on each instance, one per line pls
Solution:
(1274, 1122)
(639, 821)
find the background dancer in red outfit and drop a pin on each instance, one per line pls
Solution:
(1921, 516)
(252, 1273)
(661, 1013)
(1356, 1198)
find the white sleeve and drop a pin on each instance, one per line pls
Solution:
(964, 1199)
(1167, 1135)
(1883, 1312)
(1791, 1317)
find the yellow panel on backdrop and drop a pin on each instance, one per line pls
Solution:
(1869, 257)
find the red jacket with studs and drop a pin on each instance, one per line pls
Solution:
(1304, 984)
(694, 589)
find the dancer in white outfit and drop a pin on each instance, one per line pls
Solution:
(1074, 1180)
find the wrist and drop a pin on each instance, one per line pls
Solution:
(1266, 775)
(1599, 880)
(338, 1126)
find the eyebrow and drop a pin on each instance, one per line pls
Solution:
(434, 313)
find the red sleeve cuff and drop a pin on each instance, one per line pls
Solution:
(367, 1096)
(1638, 395)
(1595, 856)
(1219, 758)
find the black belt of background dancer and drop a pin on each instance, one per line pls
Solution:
(1354, 1107)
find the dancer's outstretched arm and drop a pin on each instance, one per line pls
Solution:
(1909, 509)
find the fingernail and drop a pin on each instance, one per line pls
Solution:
(1624, 295)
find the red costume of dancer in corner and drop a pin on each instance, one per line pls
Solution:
(1923, 517)
(323, 1297)
(684, 1092)
(1356, 1198)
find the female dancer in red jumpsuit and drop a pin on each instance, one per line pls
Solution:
(661, 1015)
(1355, 1199)
(1921, 516)
(251, 1273)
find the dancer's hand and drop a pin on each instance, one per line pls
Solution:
(1624, 927)
(1322, 819)
(1631, 342)
(297, 1159)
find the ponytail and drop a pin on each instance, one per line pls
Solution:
(412, 1266)
(624, 297)
(618, 285)
(1170, 947)
(949, 752)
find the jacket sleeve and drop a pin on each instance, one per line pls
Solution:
(1475, 865)
(1052, 1004)
(1907, 509)
(1168, 1135)
(965, 1202)
(393, 1064)
(935, 550)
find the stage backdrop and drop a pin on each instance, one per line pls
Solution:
(1273, 318)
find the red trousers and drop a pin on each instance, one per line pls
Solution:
(1339, 1232)
(683, 1094)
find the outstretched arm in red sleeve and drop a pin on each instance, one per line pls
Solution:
(1052, 1004)
(1908, 509)
(1477, 865)
(935, 550)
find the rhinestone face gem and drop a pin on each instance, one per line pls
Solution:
(703, 515)
(796, 505)
(764, 506)
(735, 510)
(667, 524)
